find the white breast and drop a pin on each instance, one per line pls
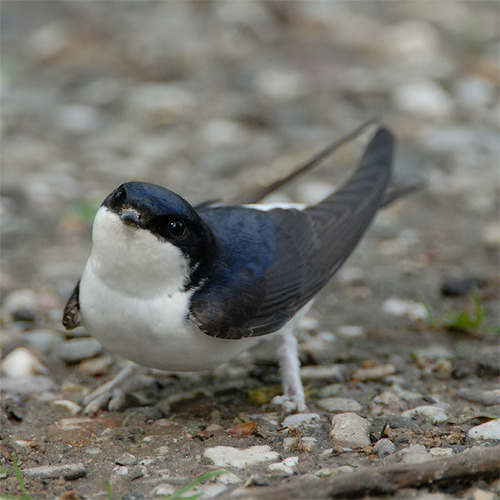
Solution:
(132, 300)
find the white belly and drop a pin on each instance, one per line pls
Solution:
(151, 331)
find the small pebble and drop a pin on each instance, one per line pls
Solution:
(228, 478)
(423, 97)
(67, 471)
(330, 390)
(70, 406)
(43, 341)
(75, 350)
(339, 405)
(350, 331)
(21, 362)
(409, 308)
(384, 447)
(306, 443)
(78, 119)
(126, 459)
(487, 398)
(432, 414)
(375, 372)
(164, 490)
(414, 454)
(284, 468)
(441, 452)
(350, 430)
(302, 420)
(95, 367)
(27, 385)
(480, 494)
(332, 372)
(21, 305)
(228, 456)
(389, 399)
(486, 432)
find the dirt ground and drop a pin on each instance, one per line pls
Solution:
(216, 98)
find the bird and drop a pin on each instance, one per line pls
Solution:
(178, 287)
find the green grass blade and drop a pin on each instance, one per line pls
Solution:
(197, 480)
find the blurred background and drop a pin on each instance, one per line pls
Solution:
(214, 98)
(211, 99)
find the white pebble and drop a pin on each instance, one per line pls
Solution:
(228, 478)
(409, 308)
(71, 406)
(422, 97)
(164, 490)
(433, 414)
(302, 419)
(414, 454)
(78, 119)
(487, 431)
(21, 362)
(281, 469)
(441, 452)
(339, 404)
(228, 456)
(350, 430)
(350, 331)
(283, 85)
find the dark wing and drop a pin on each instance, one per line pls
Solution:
(308, 247)
(71, 315)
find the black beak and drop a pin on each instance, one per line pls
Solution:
(131, 216)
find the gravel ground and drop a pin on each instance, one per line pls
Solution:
(216, 98)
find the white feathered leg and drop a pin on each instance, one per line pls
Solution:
(293, 398)
(113, 393)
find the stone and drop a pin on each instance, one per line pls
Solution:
(79, 119)
(430, 413)
(409, 308)
(34, 384)
(164, 490)
(350, 331)
(228, 456)
(95, 367)
(486, 432)
(487, 398)
(68, 405)
(284, 468)
(228, 478)
(423, 97)
(21, 305)
(43, 341)
(21, 362)
(339, 404)
(414, 454)
(331, 372)
(384, 447)
(374, 372)
(126, 459)
(302, 420)
(67, 471)
(75, 350)
(350, 430)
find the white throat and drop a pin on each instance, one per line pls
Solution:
(133, 260)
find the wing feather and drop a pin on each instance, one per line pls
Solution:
(308, 248)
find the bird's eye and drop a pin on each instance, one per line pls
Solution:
(176, 228)
(118, 197)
